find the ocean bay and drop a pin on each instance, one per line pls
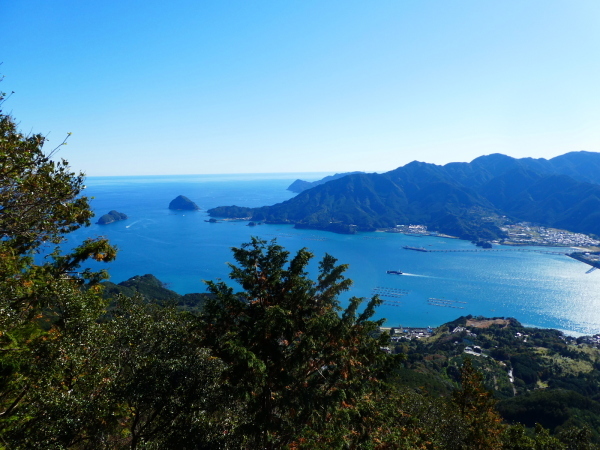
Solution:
(182, 249)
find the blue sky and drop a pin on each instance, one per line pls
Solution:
(249, 86)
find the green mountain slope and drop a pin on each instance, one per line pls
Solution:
(301, 185)
(453, 199)
(155, 291)
(539, 375)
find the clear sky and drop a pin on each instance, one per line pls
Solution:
(243, 86)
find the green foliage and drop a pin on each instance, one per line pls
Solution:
(554, 409)
(139, 380)
(39, 203)
(518, 438)
(422, 382)
(165, 383)
(292, 354)
(28, 219)
(476, 405)
(42, 308)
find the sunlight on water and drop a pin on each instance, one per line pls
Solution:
(182, 249)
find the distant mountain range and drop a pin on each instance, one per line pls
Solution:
(460, 199)
(301, 185)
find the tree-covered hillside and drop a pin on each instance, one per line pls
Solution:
(301, 185)
(455, 199)
(539, 375)
(151, 289)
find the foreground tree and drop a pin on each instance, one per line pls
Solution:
(476, 406)
(39, 203)
(42, 305)
(294, 358)
(165, 383)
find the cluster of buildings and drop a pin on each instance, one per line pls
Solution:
(526, 233)
(474, 351)
(460, 329)
(419, 230)
(590, 340)
(398, 333)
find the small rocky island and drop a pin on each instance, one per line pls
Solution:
(112, 216)
(183, 203)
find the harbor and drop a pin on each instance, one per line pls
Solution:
(590, 258)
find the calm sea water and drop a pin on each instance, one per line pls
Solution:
(181, 249)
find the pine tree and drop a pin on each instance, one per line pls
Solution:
(294, 359)
(476, 407)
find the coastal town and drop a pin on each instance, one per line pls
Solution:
(585, 248)
(524, 233)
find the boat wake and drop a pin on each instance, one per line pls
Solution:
(138, 221)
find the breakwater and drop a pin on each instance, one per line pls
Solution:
(581, 257)
(426, 250)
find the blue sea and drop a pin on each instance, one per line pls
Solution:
(182, 250)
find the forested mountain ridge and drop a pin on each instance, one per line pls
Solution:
(456, 198)
(301, 185)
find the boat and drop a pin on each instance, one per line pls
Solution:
(393, 272)
(418, 249)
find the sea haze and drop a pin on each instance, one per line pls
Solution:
(182, 249)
